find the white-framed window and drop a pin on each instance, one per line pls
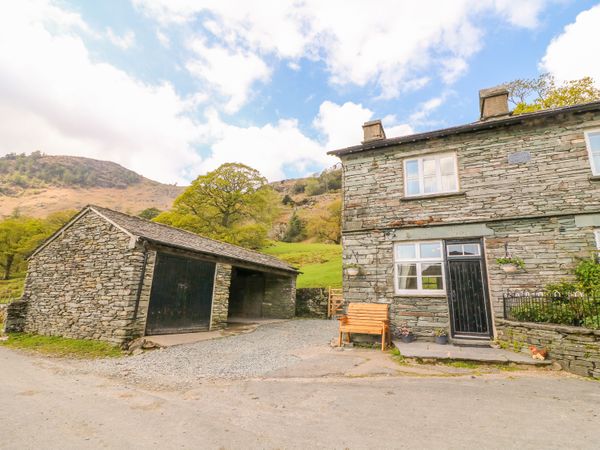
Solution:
(597, 233)
(592, 141)
(435, 174)
(419, 268)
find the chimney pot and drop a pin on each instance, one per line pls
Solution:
(493, 103)
(373, 131)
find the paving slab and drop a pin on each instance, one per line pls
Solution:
(431, 350)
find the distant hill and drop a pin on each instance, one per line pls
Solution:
(38, 185)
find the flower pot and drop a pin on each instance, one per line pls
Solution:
(407, 338)
(509, 268)
(442, 340)
(352, 271)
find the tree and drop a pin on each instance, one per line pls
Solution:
(20, 236)
(543, 92)
(224, 203)
(149, 213)
(296, 230)
(327, 226)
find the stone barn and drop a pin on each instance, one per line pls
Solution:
(113, 277)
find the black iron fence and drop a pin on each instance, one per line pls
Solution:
(575, 309)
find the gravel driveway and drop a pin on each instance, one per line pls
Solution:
(250, 355)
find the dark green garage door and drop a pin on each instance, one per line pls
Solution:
(181, 297)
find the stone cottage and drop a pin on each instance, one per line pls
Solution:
(426, 216)
(110, 276)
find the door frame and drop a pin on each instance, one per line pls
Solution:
(484, 279)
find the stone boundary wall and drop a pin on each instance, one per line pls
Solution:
(280, 296)
(16, 313)
(312, 302)
(576, 349)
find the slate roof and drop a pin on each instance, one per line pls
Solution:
(468, 128)
(175, 237)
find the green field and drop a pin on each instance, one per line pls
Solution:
(62, 347)
(11, 289)
(320, 264)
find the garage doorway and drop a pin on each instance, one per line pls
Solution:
(246, 294)
(181, 297)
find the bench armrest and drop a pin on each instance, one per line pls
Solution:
(343, 319)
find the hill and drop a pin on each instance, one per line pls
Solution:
(38, 185)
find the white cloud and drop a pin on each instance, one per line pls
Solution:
(341, 124)
(574, 53)
(124, 42)
(425, 109)
(231, 73)
(396, 45)
(56, 99)
(270, 148)
(163, 38)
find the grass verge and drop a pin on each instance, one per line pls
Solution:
(321, 264)
(61, 347)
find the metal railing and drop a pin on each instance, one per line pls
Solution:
(574, 309)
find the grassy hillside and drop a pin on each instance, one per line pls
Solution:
(321, 264)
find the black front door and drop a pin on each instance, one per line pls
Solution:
(181, 297)
(467, 289)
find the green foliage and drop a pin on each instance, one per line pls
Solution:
(296, 229)
(149, 213)
(321, 264)
(19, 236)
(562, 289)
(233, 203)
(299, 187)
(11, 290)
(327, 226)
(440, 332)
(62, 347)
(287, 200)
(512, 260)
(543, 92)
(328, 180)
(587, 274)
(592, 322)
(557, 312)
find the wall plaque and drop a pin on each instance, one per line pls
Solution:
(519, 158)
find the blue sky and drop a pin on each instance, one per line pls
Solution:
(173, 88)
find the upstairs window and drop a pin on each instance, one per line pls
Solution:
(592, 140)
(430, 175)
(419, 268)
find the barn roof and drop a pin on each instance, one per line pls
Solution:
(174, 237)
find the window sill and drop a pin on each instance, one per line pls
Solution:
(432, 196)
(422, 294)
(594, 177)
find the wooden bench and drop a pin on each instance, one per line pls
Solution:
(366, 318)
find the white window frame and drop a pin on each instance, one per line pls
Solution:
(419, 292)
(438, 174)
(595, 170)
(597, 234)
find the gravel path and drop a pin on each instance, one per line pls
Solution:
(250, 355)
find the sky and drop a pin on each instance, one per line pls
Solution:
(173, 88)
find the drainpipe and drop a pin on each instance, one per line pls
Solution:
(141, 282)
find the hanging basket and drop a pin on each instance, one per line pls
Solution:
(509, 268)
(353, 271)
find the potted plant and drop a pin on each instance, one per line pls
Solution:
(441, 336)
(405, 334)
(352, 269)
(511, 264)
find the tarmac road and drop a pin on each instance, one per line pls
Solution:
(50, 404)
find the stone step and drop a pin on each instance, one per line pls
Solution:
(462, 342)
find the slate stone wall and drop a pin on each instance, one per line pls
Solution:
(14, 316)
(84, 283)
(556, 180)
(312, 302)
(576, 349)
(280, 296)
(532, 206)
(221, 296)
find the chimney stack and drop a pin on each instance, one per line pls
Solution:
(373, 131)
(493, 103)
